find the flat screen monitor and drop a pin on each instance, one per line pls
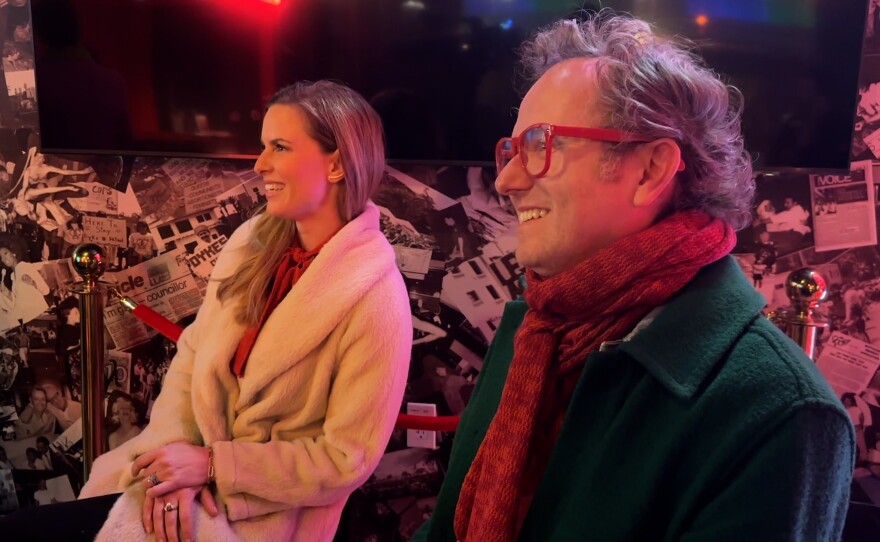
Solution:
(192, 76)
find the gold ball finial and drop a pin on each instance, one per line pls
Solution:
(806, 288)
(89, 261)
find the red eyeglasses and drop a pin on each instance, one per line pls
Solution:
(535, 143)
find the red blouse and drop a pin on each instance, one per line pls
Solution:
(292, 266)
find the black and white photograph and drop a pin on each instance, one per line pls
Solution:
(412, 471)
(782, 217)
(872, 28)
(866, 129)
(8, 497)
(42, 472)
(408, 199)
(18, 56)
(160, 198)
(454, 236)
(125, 418)
(18, 105)
(183, 201)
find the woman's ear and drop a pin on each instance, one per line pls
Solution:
(335, 169)
(662, 160)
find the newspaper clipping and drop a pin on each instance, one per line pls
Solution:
(843, 209)
(164, 284)
(848, 363)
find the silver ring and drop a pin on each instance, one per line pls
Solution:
(154, 480)
(169, 507)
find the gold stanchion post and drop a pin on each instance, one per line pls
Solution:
(89, 263)
(806, 288)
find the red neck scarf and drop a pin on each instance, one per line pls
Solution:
(293, 264)
(569, 316)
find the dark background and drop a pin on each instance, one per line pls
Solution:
(192, 76)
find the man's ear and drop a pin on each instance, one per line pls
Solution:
(335, 170)
(661, 159)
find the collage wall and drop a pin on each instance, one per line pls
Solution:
(162, 221)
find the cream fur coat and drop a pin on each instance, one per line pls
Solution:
(310, 418)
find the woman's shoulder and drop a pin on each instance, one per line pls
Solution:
(387, 294)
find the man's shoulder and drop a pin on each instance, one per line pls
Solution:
(711, 343)
(774, 372)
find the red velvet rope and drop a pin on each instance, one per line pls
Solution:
(404, 421)
(158, 322)
(427, 423)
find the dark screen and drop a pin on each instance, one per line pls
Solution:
(191, 76)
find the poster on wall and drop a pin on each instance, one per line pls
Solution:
(848, 363)
(843, 208)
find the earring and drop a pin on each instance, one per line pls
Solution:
(336, 178)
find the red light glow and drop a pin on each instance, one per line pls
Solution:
(702, 20)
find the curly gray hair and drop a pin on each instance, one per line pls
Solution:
(658, 87)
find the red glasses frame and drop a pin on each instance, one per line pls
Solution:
(609, 135)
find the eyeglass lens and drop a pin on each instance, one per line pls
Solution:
(532, 147)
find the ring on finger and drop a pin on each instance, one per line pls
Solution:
(169, 507)
(154, 480)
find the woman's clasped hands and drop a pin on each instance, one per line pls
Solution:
(175, 476)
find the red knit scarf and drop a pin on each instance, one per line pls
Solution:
(569, 316)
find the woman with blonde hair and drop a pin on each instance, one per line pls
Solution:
(284, 390)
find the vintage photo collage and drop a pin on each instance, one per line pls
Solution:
(48, 204)
(162, 222)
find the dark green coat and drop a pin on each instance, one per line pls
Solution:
(710, 424)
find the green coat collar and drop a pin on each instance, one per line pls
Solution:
(721, 303)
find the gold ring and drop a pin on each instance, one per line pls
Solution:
(169, 507)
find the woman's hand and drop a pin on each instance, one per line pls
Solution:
(171, 467)
(173, 516)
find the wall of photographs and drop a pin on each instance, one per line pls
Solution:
(162, 222)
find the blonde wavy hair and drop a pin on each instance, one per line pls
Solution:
(338, 118)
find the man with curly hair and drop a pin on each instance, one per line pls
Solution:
(637, 393)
